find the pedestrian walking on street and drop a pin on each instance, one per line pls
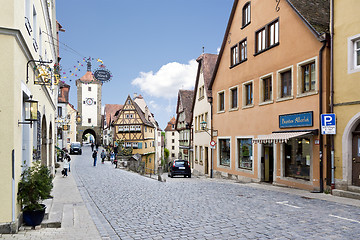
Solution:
(115, 151)
(94, 155)
(97, 147)
(92, 146)
(102, 155)
(112, 157)
(66, 164)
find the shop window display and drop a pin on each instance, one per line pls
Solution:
(224, 148)
(245, 153)
(298, 158)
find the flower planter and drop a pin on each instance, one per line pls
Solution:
(34, 217)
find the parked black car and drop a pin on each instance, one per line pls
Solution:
(75, 148)
(179, 167)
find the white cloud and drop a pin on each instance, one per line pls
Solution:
(168, 80)
(218, 50)
(153, 105)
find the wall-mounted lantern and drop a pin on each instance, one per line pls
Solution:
(31, 110)
(78, 118)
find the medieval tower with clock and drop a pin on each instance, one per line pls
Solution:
(89, 106)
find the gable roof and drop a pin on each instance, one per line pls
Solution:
(314, 13)
(110, 111)
(207, 62)
(185, 99)
(169, 125)
(138, 110)
(140, 101)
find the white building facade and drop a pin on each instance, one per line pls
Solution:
(202, 113)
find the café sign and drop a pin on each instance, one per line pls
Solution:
(102, 75)
(304, 119)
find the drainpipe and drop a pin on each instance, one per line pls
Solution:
(13, 184)
(321, 111)
(211, 134)
(332, 92)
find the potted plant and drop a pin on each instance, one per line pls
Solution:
(34, 186)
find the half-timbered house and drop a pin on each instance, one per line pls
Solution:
(133, 128)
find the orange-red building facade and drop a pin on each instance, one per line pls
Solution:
(267, 80)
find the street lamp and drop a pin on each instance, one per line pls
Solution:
(78, 118)
(31, 109)
(203, 126)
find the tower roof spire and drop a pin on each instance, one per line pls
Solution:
(89, 66)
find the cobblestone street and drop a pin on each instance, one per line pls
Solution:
(129, 206)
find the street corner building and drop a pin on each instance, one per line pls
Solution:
(269, 87)
(136, 128)
(201, 113)
(345, 104)
(29, 75)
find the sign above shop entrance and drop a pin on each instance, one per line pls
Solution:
(304, 119)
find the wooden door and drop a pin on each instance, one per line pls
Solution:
(268, 163)
(356, 159)
(206, 160)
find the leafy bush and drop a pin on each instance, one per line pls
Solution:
(35, 185)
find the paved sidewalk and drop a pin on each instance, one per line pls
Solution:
(67, 207)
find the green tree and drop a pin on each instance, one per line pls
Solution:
(166, 153)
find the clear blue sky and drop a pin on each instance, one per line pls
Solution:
(149, 46)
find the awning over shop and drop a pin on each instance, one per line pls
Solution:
(280, 137)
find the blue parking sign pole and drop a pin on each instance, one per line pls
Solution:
(328, 124)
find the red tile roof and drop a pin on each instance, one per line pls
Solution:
(110, 111)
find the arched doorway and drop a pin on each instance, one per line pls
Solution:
(89, 135)
(43, 142)
(51, 153)
(349, 142)
(356, 156)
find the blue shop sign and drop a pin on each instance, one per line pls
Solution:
(304, 119)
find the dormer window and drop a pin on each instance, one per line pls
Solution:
(246, 14)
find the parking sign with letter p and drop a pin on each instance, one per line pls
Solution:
(328, 124)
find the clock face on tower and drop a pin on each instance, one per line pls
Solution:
(89, 101)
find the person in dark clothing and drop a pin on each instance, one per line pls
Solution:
(92, 146)
(94, 155)
(115, 151)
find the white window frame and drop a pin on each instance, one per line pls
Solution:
(237, 155)
(261, 89)
(246, 11)
(352, 68)
(235, 57)
(279, 86)
(300, 92)
(244, 106)
(218, 102)
(218, 153)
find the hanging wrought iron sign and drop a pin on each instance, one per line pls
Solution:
(102, 74)
(45, 72)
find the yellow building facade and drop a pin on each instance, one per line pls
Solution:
(133, 128)
(346, 62)
(28, 33)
